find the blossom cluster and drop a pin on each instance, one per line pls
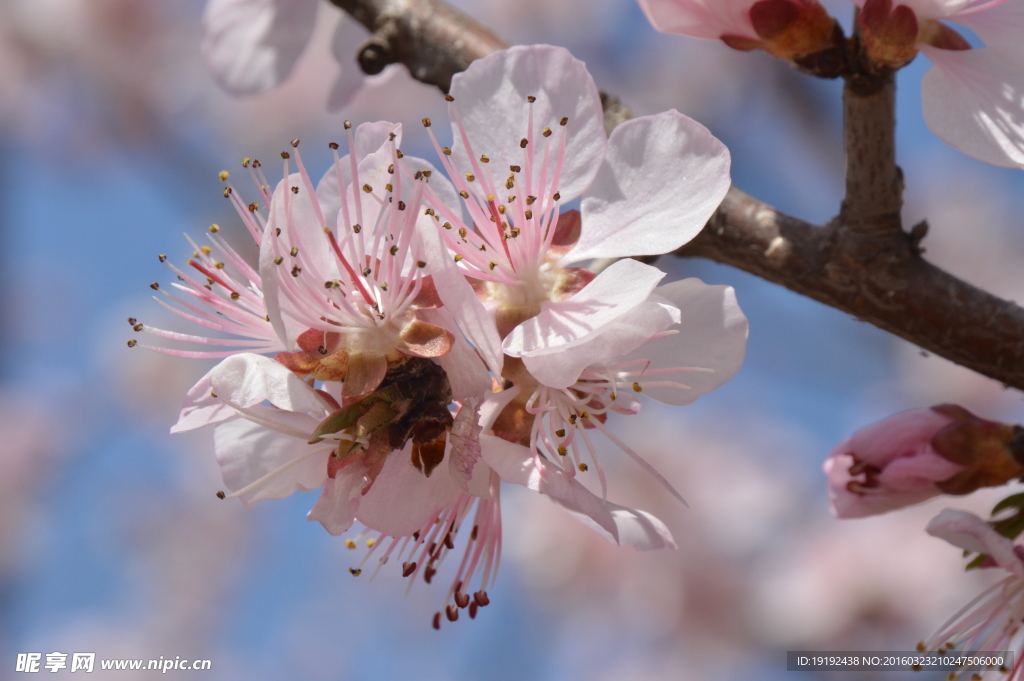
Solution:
(412, 338)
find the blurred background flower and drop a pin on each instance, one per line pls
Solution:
(111, 539)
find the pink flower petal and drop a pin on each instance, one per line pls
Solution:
(251, 46)
(661, 181)
(338, 502)
(701, 18)
(880, 443)
(517, 465)
(402, 499)
(974, 100)
(490, 97)
(562, 325)
(999, 26)
(467, 468)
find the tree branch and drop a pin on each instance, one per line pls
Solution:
(862, 263)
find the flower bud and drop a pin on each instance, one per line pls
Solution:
(915, 455)
(889, 34)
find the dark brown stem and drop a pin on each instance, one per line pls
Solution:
(882, 281)
(874, 183)
(862, 263)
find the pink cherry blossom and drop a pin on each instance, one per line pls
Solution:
(266, 423)
(252, 46)
(888, 465)
(684, 341)
(529, 137)
(991, 622)
(342, 300)
(973, 98)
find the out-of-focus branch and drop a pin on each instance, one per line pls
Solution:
(862, 263)
(432, 38)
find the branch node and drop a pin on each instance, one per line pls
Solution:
(374, 56)
(917, 234)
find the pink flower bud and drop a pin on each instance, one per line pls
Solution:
(918, 454)
(888, 465)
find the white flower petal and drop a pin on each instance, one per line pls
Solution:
(661, 181)
(969, 532)
(974, 100)
(246, 380)
(712, 335)
(490, 97)
(628, 332)
(201, 408)
(251, 46)
(249, 453)
(565, 324)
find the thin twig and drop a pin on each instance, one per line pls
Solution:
(861, 263)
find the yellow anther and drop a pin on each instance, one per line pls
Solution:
(349, 544)
(224, 175)
(637, 387)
